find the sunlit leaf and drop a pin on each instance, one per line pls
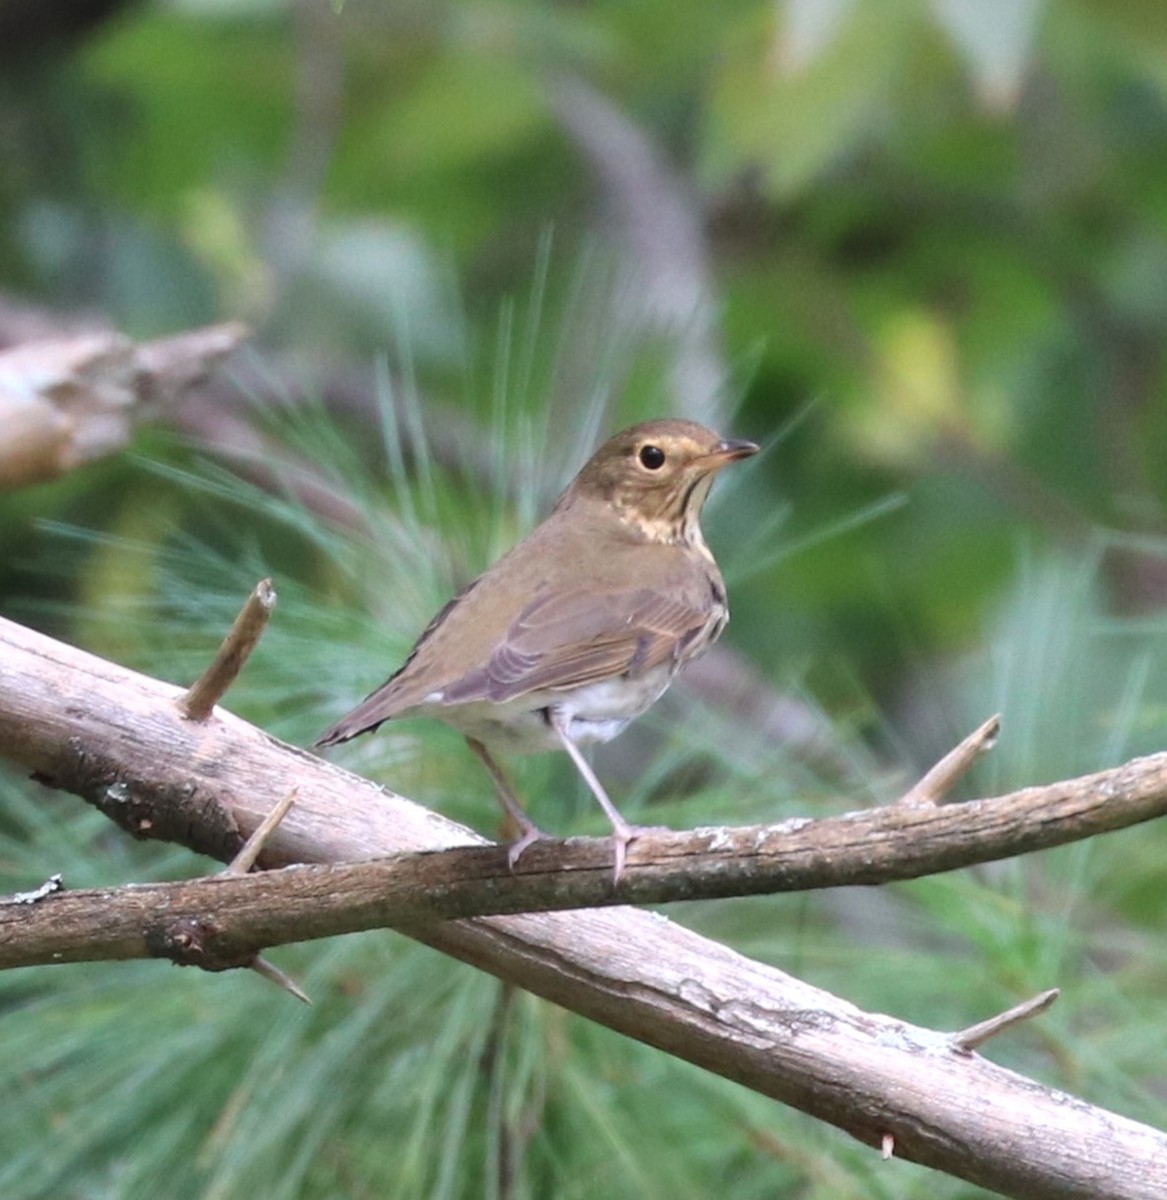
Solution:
(996, 38)
(808, 26)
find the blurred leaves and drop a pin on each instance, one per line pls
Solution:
(936, 231)
(792, 125)
(995, 37)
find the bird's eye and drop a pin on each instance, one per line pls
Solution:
(652, 457)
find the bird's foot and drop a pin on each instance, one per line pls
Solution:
(623, 835)
(531, 833)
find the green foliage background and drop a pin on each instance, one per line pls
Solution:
(938, 234)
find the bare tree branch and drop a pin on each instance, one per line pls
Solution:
(660, 222)
(70, 401)
(292, 222)
(116, 738)
(248, 913)
(243, 914)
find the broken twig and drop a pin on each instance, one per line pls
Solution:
(197, 703)
(944, 776)
(967, 1040)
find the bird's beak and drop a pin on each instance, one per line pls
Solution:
(729, 450)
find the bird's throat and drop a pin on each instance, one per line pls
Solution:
(676, 523)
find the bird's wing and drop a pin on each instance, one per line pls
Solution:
(386, 701)
(570, 639)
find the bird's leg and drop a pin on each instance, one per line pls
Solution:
(622, 832)
(528, 831)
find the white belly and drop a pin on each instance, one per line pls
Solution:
(597, 713)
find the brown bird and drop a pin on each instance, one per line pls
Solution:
(580, 627)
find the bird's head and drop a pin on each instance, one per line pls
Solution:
(655, 476)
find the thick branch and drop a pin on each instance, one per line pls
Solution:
(116, 738)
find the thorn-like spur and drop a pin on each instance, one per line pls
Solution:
(943, 777)
(281, 979)
(253, 847)
(965, 1041)
(199, 700)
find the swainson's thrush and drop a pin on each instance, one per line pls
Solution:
(580, 627)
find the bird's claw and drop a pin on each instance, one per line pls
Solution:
(530, 835)
(623, 835)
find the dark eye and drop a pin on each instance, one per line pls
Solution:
(652, 457)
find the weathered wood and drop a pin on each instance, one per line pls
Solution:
(117, 738)
(67, 401)
(244, 914)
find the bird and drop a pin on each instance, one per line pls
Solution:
(581, 626)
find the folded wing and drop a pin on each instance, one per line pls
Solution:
(564, 640)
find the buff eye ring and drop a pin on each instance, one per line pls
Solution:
(652, 458)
